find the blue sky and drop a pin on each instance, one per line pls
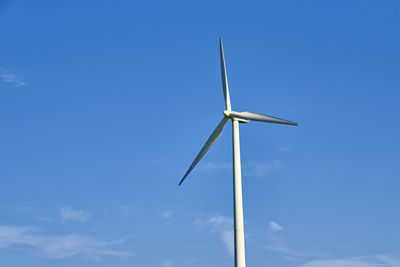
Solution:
(104, 106)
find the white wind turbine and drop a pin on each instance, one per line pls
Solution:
(236, 117)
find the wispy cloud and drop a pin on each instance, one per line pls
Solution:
(45, 219)
(261, 168)
(284, 149)
(167, 263)
(275, 227)
(126, 210)
(215, 166)
(253, 168)
(62, 246)
(363, 261)
(11, 79)
(275, 242)
(222, 226)
(72, 215)
(166, 214)
(153, 162)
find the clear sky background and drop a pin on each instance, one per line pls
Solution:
(104, 105)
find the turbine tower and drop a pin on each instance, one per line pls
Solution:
(235, 117)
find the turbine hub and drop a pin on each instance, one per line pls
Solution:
(228, 114)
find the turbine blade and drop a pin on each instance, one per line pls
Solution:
(224, 77)
(259, 117)
(213, 137)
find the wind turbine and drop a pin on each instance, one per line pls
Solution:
(235, 117)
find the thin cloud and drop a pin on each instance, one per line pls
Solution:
(126, 210)
(284, 149)
(253, 168)
(363, 261)
(222, 226)
(167, 214)
(45, 219)
(262, 168)
(62, 246)
(276, 243)
(167, 263)
(215, 166)
(275, 227)
(72, 215)
(11, 79)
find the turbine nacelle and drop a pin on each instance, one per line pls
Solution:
(228, 114)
